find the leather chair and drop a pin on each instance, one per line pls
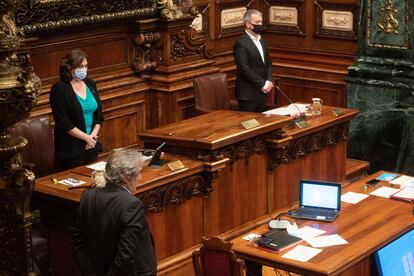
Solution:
(215, 257)
(211, 93)
(39, 153)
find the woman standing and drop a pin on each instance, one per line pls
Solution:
(77, 113)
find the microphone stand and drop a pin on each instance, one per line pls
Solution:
(300, 117)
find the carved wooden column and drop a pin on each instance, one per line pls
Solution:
(19, 88)
(182, 55)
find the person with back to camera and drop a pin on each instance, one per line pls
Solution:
(254, 67)
(111, 235)
(77, 113)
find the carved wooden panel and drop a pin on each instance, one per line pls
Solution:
(302, 147)
(336, 20)
(332, 93)
(284, 16)
(229, 18)
(45, 15)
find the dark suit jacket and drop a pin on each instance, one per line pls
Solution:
(111, 235)
(67, 113)
(252, 72)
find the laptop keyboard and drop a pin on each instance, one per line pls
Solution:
(314, 214)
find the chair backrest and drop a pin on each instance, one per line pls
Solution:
(215, 257)
(211, 92)
(40, 150)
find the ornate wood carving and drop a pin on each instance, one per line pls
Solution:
(187, 43)
(144, 59)
(177, 47)
(16, 224)
(336, 20)
(41, 15)
(302, 147)
(177, 192)
(285, 16)
(19, 88)
(242, 150)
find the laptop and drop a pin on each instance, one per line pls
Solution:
(318, 201)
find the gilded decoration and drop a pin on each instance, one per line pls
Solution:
(388, 15)
(282, 15)
(19, 88)
(302, 147)
(387, 24)
(232, 17)
(43, 15)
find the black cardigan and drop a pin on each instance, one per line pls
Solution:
(68, 114)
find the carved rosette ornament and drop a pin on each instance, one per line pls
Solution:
(19, 88)
(302, 147)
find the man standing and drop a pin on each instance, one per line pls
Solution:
(254, 67)
(111, 235)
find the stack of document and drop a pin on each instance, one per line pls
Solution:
(290, 110)
(404, 181)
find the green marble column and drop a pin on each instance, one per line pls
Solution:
(381, 86)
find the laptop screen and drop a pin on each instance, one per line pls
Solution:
(320, 194)
(397, 257)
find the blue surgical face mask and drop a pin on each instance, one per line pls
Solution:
(80, 73)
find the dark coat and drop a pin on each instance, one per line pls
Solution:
(252, 72)
(111, 235)
(67, 113)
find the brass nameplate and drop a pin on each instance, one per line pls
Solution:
(301, 123)
(250, 123)
(176, 165)
(337, 112)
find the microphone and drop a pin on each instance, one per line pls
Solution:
(300, 118)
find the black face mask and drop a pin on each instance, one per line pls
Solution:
(258, 29)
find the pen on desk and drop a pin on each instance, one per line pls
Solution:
(54, 180)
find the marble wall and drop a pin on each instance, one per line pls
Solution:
(381, 86)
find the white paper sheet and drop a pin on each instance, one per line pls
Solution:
(384, 192)
(251, 236)
(328, 240)
(99, 166)
(406, 193)
(404, 181)
(291, 109)
(308, 232)
(71, 182)
(302, 253)
(353, 198)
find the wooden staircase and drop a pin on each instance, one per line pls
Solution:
(355, 169)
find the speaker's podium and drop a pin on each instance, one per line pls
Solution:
(267, 158)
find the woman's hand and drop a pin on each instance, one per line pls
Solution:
(90, 142)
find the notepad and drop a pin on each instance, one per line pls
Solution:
(387, 176)
(384, 192)
(406, 194)
(277, 241)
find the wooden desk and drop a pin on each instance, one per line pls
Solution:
(367, 226)
(174, 203)
(266, 162)
(260, 171)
